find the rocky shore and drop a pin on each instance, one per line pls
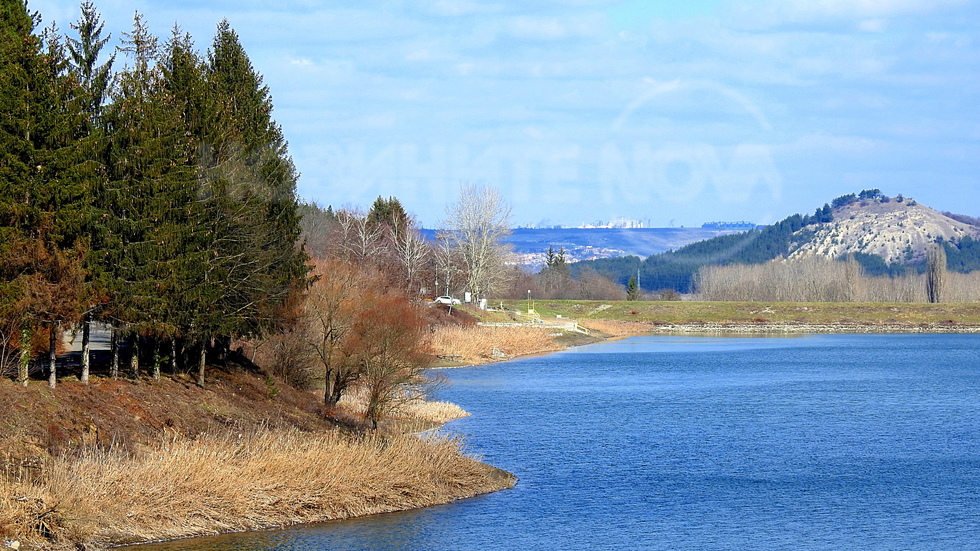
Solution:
(750, 328)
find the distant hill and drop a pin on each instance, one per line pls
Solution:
(886, 235)
(530, 245)
(898, 232)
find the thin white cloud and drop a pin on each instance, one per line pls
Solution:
(774, 13)
(479, 87)
(555, 28)
(457, 8)
(873, 25)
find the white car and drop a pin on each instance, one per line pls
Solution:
(446, 299)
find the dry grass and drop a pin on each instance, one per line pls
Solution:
(416, 408)
(124, 461)
(618, 328)
(476, 344)
(434, 411)
(231, 482)
(661, 313)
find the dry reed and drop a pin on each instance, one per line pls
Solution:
(418, 407)
(434, 411)
(235, 482)
(476, 344)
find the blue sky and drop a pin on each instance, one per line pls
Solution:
(676, 113)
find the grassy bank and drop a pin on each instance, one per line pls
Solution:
(886, 316)
(119, 461)
(605, 319)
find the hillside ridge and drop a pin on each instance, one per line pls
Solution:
(897, 231)
(887, 236)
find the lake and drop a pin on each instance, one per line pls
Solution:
(821, 442)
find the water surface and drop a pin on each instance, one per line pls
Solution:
(821, 442)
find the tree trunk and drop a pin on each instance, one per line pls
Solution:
(201, 362)
(53, 355)
(328, 391)
(134, 358)
(935, 274)
(114, 347)
(157, 359)
(173, 356)
(23, 368)
(338, 390)
(86, 349)
(223, 344)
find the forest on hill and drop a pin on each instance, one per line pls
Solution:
(676, 269)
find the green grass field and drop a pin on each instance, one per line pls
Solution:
(817, 313)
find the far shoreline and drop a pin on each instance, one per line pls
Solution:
(607, 321)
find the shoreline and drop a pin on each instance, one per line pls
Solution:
(613, 330)
(483, 478)
(811, 328)
(176, 475)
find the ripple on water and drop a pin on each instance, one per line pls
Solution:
(823, 442)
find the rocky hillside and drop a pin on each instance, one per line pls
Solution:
(892, 235)
(898, 231)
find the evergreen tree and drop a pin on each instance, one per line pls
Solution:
(150, 193)
(251, 184)
(84, 53)
(93, 86)
(42, 196)
(633, 289)
(555, 278)
(388, 213)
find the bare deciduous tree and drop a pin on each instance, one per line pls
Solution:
(360, 239)
(935, 274)
(449, 266)
(412, 250)
(329, 312)
(389, 347)
(476, 224)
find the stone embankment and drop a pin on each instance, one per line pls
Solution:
(750, 328)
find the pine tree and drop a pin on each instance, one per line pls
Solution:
(633, 289)
(252, 184)
(555, 277)
(197, 311)
(152, 185)
(42, 196)
(84, 53)
(388, 213)
(93, 86)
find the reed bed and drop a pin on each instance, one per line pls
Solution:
(418, 408)
(476, 344)
(234, 482)
(434, 411)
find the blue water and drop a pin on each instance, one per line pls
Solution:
(823, 442)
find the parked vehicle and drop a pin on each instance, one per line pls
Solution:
(446, 299)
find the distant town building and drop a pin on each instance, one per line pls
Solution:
(621, 223)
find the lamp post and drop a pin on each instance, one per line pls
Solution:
(528, 301)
